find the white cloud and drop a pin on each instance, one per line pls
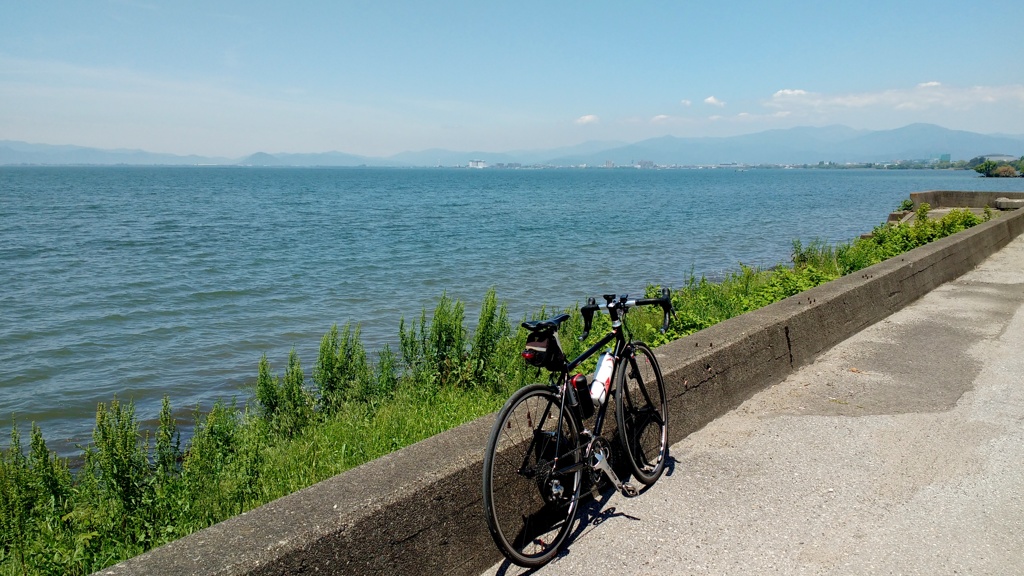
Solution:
(929, 95)
(982, 109)
(60, 103)
(714, 101)
(587, 119)
(686, 103)
(661, 119)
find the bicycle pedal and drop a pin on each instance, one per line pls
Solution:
(628, 489)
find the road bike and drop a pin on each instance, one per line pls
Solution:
(540, 447)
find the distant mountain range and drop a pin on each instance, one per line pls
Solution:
(13, 152)
(838, 144)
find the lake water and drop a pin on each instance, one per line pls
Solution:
(142, 282)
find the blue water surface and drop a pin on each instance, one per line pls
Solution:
(145, 282)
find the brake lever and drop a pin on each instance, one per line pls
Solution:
(587, 312)
(667, 307)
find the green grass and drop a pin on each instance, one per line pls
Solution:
(138, 489)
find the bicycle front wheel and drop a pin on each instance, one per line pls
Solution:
(641, 411)
(531, 484)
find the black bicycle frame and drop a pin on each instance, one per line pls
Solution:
(617, 309)
(615, 335)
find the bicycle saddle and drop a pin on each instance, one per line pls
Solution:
(549, 324)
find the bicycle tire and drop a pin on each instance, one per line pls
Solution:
(526, 517)
(641, 412)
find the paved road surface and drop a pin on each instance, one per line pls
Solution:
(900, 451)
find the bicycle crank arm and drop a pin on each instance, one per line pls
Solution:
(601, 463)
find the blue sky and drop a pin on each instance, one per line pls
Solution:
(378, 78)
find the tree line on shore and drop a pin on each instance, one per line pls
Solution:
(997, 169)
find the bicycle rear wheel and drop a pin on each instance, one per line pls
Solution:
(529, 499)
(641, 411)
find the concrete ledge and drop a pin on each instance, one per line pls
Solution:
(419, 510)
(959, 199)
(1004, 203)
(946, 199)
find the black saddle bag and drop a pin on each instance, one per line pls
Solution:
(544, 351)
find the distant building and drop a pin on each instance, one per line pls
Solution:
(1001, 158)
(477, 164)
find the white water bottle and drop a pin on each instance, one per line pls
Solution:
(602, 379)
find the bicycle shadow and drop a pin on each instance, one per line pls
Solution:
(593, 512)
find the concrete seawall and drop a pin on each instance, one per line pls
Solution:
(419, 509)
(959, 199)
